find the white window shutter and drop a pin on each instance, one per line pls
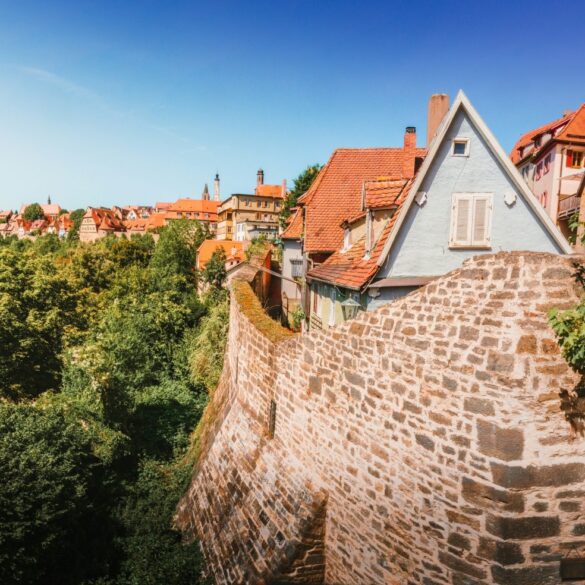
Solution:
(461, 219)
(482, 210)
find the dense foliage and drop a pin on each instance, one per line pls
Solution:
(569, 326)
(107, 356)
(300, 186)
(32, 212)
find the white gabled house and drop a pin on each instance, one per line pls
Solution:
(466, 199)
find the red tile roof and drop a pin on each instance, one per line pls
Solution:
(195, 205)
(573, 123)
(104, 219)
(294, 228)
(336, 193)
(270, 190)
(350, 269)
(234, 251)
(383, 193)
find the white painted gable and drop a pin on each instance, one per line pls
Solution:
(424, 244)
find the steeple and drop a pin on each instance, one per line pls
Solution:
(49, 200)
(216, 187)
(205, 194)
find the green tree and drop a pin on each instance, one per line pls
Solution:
(54, 528)
(76, 217)
(154, 552)
(38, 309)
(32, 212)
(176, 249)
(207, 345)
(214, 272)
(300, 186)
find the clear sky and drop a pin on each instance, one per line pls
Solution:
(106, 102)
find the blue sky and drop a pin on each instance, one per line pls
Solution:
(106, 102)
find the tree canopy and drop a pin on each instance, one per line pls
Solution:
(107, 358)
(32, 212)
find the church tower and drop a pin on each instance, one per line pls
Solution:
(205, 194)
(216, 187)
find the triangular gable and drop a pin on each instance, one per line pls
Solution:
(461, 101)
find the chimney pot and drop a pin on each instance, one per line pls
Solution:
(438, 108)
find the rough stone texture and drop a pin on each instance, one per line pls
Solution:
(422, 443)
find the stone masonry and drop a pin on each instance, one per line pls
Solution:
(423, 443)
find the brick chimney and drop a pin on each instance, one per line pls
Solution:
(438, 107)
(409, 152)
(284, 188)
(260, 177)
(216, 187)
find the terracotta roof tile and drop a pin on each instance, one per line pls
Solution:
(294, 228)
(336, 193)
(573, 122)
(195, 205)
(233, 251)
(383, 192)
(270, 190)
(350, 269)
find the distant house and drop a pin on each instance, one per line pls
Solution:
(551, 159)
(234, 251)
(467, 198)
(149, 224)
(244, 216)
(99, 222)
(203, 210)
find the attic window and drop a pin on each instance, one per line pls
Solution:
(461, 147)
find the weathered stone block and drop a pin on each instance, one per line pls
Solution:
(461, 566)
(479, 406)
(514, 528)
(540, 575)
(425, 442)
(494, 441)
(487, 497)
(500, 362)
(498, 551)
(525, 477)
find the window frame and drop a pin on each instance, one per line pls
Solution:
(469, 243)
(465, 142)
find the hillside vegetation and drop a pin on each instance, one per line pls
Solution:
(107, 357)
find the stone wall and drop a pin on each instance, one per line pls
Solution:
(422, 443)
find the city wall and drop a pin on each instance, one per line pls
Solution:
(422, 443)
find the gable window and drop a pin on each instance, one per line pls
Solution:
(460, 147)
(544, 198)
(471, 220)
(547, 164)
(574, 159)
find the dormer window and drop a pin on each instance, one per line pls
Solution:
(346, 239)
(460, 147)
